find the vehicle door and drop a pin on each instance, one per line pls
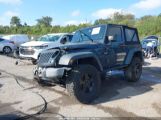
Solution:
(117, 45)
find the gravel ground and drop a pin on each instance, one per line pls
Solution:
(21, 96)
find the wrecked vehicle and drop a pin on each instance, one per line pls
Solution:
(81, 65)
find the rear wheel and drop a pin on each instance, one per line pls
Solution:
(83, 83)
(134, 70)
(7, 50)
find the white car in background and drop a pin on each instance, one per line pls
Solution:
(6, 46)
(31, 50)
(18, 39)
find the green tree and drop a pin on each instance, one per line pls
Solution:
(25, 24)
(146, 17)
(15, 21)
(44, 21)
(102, 21)
(146, 25)
(118, 16)
(129, 16)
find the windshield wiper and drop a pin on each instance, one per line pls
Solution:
(86, 36)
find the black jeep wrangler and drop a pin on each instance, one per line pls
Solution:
(93, 51)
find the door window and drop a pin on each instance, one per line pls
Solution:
(116, 33)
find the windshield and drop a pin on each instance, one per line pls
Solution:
(49, 38)
(89, 34)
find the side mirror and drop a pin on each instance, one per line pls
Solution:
(110, 38)
(63, 40)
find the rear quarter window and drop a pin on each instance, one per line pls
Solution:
(131, 35)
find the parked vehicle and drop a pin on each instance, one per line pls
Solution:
(6, 46)
(92, 53)
(31, 50)
(154, 42)
(18, 39)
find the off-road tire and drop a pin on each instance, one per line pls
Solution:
(78, 88)
(134, 70)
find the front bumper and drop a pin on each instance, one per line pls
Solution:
(50, 73)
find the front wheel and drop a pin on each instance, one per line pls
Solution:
(84, 83)
(7, 50)
(134, 70)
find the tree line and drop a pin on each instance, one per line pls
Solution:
(146, 25)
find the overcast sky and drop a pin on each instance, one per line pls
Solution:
(73, 11)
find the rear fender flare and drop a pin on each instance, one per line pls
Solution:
(131, 55)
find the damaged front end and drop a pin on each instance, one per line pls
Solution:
(48, 69)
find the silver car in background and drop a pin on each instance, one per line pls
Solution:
(6, 46)
(18, 39)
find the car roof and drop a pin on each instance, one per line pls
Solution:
(152, 37)
(150, 40)
(119, 25)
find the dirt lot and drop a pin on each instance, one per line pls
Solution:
(21, 96)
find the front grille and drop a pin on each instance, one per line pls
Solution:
(46, 56)
(26, 51)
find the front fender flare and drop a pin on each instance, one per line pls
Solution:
(65, 59)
